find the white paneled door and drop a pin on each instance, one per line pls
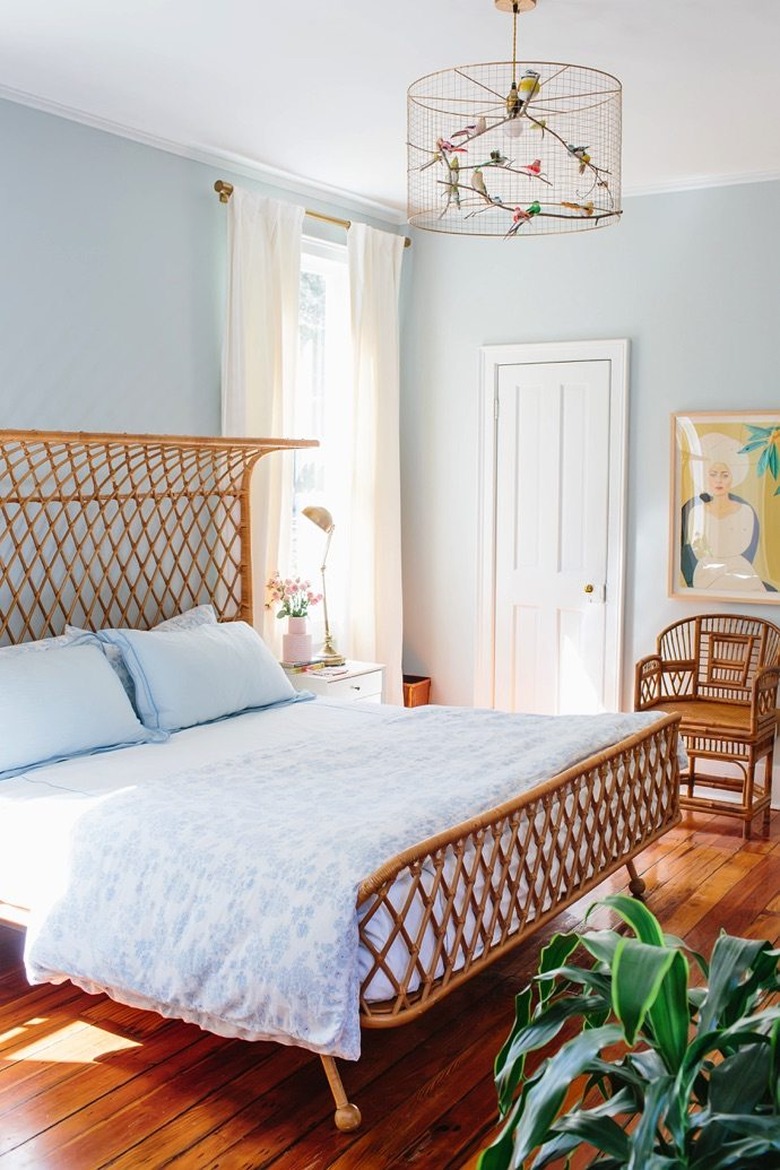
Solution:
(554, 538)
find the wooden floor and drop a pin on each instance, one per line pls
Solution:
(85, 1083)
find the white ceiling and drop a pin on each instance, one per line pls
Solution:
(317, 91)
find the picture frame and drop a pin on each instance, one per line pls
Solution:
(725, 506)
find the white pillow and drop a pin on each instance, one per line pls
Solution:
(64, 703)
(184, 677)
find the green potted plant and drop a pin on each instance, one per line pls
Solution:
(659, 1074)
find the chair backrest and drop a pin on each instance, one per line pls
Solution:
(716, 656)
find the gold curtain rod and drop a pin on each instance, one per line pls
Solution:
(225, 190)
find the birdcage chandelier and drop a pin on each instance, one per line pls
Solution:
(514, 148)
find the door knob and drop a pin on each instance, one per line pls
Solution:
(588, 588)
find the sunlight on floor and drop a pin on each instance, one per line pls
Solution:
(82, 1043)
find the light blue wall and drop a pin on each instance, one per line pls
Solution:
(692, 279)
(111, 319)
(111, 298)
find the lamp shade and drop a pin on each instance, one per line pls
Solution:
(319, 516)
(514, 148)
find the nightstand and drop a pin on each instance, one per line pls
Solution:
(358, 682)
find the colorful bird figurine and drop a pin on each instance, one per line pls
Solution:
(478, 182)
(497, 159)
(580, 152)
(453, 189)
(472, 130)
(520, 216)
(446, 147)
(528, 87)
(532, 168)
(585, 208)
(443, 148)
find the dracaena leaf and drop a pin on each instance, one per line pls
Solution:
(740, 1081)
(535, 1034)
(669, 1015)
(545, 1098)
(732, 960)
(553, 956)
(643, 923)
(643, 1137)
(600, 1132)
(638, 972)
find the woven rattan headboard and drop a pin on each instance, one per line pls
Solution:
(123, 530)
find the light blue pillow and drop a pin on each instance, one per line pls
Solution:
(184, 677)
(199, 615)
(66, 702)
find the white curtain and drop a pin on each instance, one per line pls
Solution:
(258, 367)
(375, 632)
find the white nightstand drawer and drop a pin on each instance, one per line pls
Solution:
(356, 682)
(358, 687)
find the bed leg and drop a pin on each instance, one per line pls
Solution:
(637, 885)
(347, 1116)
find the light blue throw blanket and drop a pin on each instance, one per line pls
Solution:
(227, 896)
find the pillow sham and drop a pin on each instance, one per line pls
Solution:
(67, 702)
(199, 615)
(185, 677)
(40, 644)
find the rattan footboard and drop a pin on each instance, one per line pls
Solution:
(461, 900)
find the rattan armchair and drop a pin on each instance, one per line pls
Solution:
(720, 672)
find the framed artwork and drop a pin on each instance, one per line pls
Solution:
(725, 521)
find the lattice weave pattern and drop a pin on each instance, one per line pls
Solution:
(486, 886)
(122, 530)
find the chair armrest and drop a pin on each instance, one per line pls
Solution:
(763, 700)
(647, 682)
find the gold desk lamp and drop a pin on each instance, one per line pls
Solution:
(323, 519)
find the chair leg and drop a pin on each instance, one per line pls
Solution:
(769, 767)
(691, 773)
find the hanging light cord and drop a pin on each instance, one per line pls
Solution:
(514, 41)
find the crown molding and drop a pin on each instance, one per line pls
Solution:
(700, 182)
(238, 165)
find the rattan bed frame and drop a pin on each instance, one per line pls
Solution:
(101, 529)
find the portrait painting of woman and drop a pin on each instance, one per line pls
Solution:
(725, 514)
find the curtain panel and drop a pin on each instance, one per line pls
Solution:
(375, 607)
(259, 363)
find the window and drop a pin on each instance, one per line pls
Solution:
(323, 411)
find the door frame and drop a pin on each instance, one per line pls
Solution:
(492, 358)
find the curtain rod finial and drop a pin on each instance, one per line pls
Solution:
(224, 190)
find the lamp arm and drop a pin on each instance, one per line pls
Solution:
(324, 591)
(327, 547)
(325, 603)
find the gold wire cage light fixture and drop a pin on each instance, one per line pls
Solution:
(514, 148)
